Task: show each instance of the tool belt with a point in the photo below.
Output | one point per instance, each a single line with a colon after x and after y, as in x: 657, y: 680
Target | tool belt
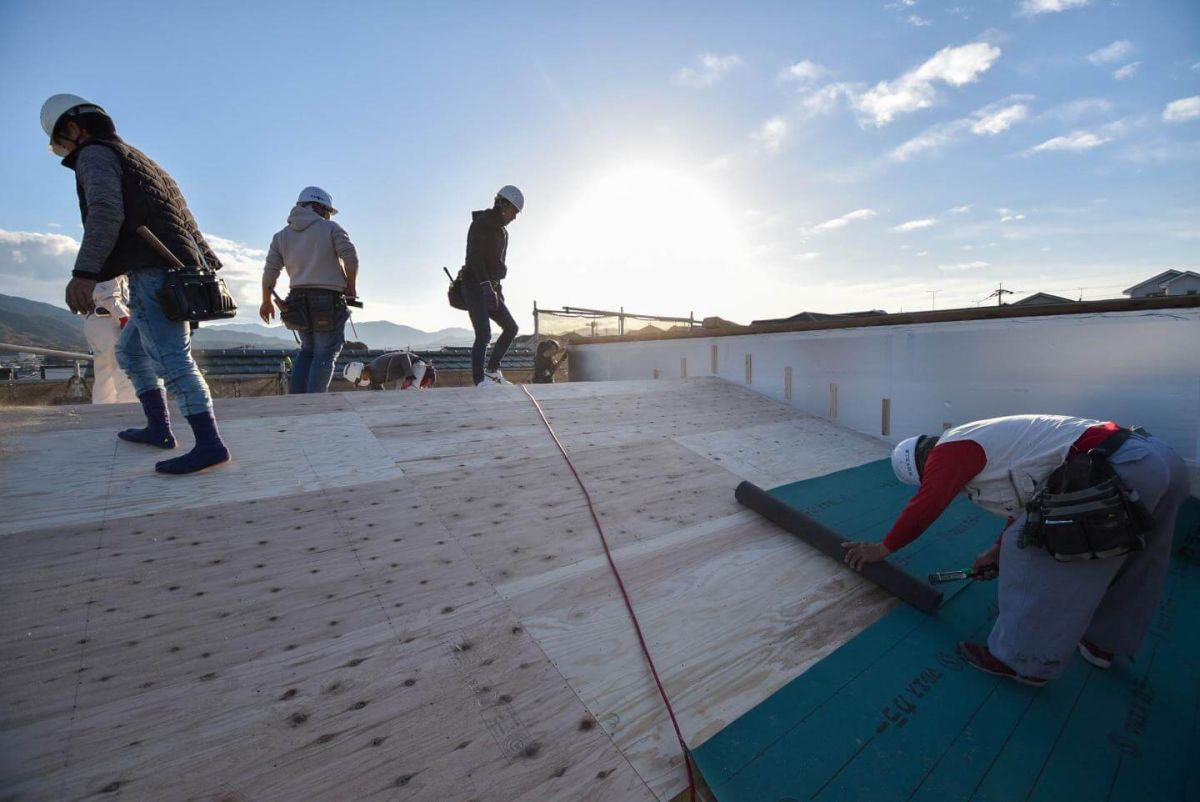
x: 316, y: 310
x: 195, y: 294
x: 1083, y: 511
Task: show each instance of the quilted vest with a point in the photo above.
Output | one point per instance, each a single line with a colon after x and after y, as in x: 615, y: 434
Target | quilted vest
x: 152, y: 199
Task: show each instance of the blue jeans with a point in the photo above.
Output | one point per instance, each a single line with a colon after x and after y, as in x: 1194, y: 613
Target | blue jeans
x: 312, y: 368
x: 154, y: 351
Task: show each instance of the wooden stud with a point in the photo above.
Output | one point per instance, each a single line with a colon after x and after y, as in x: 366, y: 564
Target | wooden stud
x: 713, y: 356
x: 683, y: 367
x: 656, y: 373
x: 787, y: 383
x: 748, y: 362
x: 885, y: 427
x: 833, y: 402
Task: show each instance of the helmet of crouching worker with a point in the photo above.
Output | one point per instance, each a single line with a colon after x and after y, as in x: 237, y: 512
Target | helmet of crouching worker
x: 353, y: 373
x: 908, y: 458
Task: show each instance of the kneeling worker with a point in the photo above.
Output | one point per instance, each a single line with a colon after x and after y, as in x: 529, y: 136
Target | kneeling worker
x: 1097, y: 581
x: 401, y: 366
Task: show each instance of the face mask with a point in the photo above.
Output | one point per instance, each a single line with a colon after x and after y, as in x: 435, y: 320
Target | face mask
x: 58, y: 150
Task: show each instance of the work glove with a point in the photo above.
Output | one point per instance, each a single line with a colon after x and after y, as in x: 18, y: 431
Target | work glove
x: 490, y: 301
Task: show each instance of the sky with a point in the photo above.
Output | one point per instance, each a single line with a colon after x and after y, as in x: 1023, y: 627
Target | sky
x: 748, y: 160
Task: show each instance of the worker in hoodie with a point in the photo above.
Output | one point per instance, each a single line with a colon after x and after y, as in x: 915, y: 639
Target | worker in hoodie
x: 322, y: 267
x: 121, y: 189
x: 480, y: 277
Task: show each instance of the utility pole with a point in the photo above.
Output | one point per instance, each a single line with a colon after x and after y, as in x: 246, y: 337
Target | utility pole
x: 933, y: 299
x: 999, y: 295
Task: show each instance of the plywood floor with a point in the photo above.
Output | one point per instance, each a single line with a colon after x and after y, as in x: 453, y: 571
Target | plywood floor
x: 401, y: 595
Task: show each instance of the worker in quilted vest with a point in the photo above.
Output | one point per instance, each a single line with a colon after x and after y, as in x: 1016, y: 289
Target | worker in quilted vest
x: 1100, y: 605
x: 120, y: 189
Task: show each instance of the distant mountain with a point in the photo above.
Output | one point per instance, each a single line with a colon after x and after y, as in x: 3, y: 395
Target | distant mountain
x: 25, y: 322
x: 375, y: 333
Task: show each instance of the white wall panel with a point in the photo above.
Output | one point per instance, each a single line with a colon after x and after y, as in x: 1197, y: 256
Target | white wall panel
x: 1133, y: 367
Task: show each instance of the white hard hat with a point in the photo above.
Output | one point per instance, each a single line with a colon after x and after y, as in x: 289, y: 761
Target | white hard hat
x: 316, y: 195
x: 904, y: 461
x: 512, y: 195
x: 58, y: 105
x: 353, y: 372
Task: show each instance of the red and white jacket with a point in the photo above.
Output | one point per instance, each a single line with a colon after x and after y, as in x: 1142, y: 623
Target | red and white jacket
x: 1000, y: 462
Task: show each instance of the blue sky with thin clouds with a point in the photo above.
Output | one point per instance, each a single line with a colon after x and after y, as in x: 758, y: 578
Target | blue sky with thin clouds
x: 744, y: 160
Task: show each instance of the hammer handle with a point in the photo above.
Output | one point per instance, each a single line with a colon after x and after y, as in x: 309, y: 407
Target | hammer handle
x: 156, y: 243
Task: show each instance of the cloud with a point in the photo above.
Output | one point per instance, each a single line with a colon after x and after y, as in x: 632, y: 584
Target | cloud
x: 1075, y: 110
x: 917, y: 21
x: 962, y: 266
x: 43, y: 257
x: 770, y: 134
x: 914, y: 225
x: 990, y: 120
x: 1128, y: 71
x: 1009, y: 216
x: 807, y: 256
x: 825, y: 99
x: 241, y: 268
x: 995, y: 121
x: 1031, y: 8
x: 966, y: 207
x: 844, y: 220
x: 1076, y: 141
x: 711, y: 69
x: 916, y: 90
x: 802, y: 72
x: 1117, y: 51
x: 1182, y: 110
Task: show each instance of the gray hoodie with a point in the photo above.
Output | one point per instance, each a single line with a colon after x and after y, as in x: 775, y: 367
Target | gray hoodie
x: 310, y: 248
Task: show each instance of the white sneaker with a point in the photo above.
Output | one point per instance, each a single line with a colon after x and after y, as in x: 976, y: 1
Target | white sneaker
x: 496, y: 376
x: 486, y: 383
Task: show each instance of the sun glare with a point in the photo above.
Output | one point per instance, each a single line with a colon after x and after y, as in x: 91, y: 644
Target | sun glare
x: 639, y: 235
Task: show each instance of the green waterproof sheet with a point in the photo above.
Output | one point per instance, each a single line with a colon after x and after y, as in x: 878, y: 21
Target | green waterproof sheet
x: 894, y: 714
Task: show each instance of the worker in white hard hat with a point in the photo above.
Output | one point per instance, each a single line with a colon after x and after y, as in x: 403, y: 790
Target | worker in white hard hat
x: 103, y: 328
x: 1078, y: 570
x: 479, y: 279
x: 121, y: 189
x: 400, y: 368
x: 322, y: 268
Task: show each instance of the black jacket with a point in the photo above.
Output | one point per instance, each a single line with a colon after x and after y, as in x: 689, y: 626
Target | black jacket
x: 487, y: 245
x: 151, y: 198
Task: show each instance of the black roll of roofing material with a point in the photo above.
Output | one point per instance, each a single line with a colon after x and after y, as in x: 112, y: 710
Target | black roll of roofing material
x: 894, y: 580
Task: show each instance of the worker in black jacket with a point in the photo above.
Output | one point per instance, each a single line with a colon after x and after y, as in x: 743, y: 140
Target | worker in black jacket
x: 480, y: 277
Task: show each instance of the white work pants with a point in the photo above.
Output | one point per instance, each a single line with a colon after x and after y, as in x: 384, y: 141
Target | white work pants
x: 111, y: 385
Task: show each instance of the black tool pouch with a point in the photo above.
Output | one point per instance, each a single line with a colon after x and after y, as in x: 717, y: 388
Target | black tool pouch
x: 1084, y: 511
x: 454, y: 293
x: 314, y: 310
x: 196, y: 294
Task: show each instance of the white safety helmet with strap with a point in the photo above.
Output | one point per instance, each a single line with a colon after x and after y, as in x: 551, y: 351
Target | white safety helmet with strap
x: 513, y: 196
x: 317, y: 195
x: 904, y: 461
x: 56, y: 106
x: 353, y: 373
